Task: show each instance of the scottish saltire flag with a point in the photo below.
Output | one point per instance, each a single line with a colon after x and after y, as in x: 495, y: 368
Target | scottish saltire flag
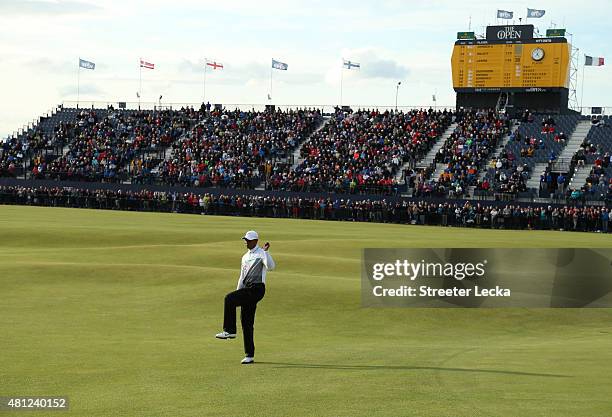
x: 86, y: 64
x: 279, y: 65
x: 504, y: 14
x: 589, y: 61
x: 145, y: 64
x: 214, y: 64
x: 535, y: 13
x: 350, y: 64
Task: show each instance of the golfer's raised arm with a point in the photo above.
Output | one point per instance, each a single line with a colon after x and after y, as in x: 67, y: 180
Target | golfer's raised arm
x: 268, y: 261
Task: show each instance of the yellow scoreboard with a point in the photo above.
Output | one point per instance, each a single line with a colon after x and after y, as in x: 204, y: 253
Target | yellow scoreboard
x: 494, y: 65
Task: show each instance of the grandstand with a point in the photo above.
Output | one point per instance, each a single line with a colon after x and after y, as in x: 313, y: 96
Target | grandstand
x: 508, y: 139
x: 484, y: 155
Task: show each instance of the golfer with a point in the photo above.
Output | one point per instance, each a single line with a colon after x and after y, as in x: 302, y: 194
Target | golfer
x: 251, y: 289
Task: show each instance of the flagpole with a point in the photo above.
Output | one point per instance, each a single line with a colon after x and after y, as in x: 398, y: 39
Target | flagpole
x: 205, y: 68
x: 271, y: 70
x: 341, y: 80
x: 78, y: 83
x: 582, y: 88
x: 140, y: 83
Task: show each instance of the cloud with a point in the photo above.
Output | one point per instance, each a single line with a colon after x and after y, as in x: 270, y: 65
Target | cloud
x: 41, y: 7
x: 50, y: 66
x: 372, y: 67
x: 189, y: 65
x: 384, y: 68
x: 248, y: 74
x: 88, y: 89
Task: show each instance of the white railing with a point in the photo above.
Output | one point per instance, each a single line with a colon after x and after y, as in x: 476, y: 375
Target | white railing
x: 131, y: 105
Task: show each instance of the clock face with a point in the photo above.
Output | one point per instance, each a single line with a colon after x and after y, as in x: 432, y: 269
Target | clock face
x: 537, y: 54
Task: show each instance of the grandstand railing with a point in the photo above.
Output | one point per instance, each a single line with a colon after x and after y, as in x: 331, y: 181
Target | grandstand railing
x: 327, y: 108
x: 134, y: 105
x: 563, y: 165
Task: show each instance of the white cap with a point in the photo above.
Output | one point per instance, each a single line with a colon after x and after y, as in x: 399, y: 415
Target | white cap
x: 251, y: 235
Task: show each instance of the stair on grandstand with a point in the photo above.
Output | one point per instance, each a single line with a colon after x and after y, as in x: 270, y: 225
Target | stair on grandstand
x: 167, y: 154
x: 428, y: 160
x: 440, y: 167
x: 538, y: 163
x: 534, y: 180
x: 580, y: 176
x: 482, y: 173
x: 296, y: 160
x: 295, y: 156
x: 69, y: 115
x: 502, y: 102
x: 572, y: 145
x: 296, y: 153
x: 576, y: 139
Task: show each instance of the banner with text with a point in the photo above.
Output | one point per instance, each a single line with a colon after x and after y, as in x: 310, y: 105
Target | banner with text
x: 493, y: 277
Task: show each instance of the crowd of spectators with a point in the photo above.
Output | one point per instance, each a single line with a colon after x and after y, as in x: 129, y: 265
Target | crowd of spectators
x: 104, y: 144
x: 468, y: 214
x: 510, y: 175
x: 361, y: 151
x: 15, y: 150
x: 354, y: 152
x: 12, y: 152
x: 465, y: 151
x: 232, y: 148
x: 509, y: 172
x: 599, y: 181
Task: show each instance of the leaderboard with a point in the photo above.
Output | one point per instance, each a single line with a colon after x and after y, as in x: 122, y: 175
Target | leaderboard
x: 511, y: 64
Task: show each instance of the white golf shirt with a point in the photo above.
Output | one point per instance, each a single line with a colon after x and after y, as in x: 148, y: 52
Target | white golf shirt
x: 255, y: 263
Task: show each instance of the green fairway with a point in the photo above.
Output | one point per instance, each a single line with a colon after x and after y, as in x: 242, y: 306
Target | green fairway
x: 118, y: 311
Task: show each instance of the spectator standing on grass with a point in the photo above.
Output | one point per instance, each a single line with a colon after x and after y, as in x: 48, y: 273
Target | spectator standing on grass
x: 494, y: 214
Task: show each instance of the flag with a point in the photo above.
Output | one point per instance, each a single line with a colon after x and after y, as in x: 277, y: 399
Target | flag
x: 433, y: 97
x: 349, y: 64
x: 86, y: 64
x: 535, y: 13
x: 145, y: 64
x: 279, y: 65
x: 589, y: 61
x: 214, y: 64
x: 504, y: 14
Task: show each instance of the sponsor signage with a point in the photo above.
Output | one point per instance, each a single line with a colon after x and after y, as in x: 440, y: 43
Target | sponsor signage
x: 510, y: 32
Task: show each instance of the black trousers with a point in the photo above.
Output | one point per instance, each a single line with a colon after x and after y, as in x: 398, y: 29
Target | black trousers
x: 247, y: 299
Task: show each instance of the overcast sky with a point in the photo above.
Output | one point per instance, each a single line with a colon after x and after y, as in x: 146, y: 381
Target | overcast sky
x: 393, y: 40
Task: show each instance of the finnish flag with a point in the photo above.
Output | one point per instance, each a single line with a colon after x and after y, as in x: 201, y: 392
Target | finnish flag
x: 351, y: 64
